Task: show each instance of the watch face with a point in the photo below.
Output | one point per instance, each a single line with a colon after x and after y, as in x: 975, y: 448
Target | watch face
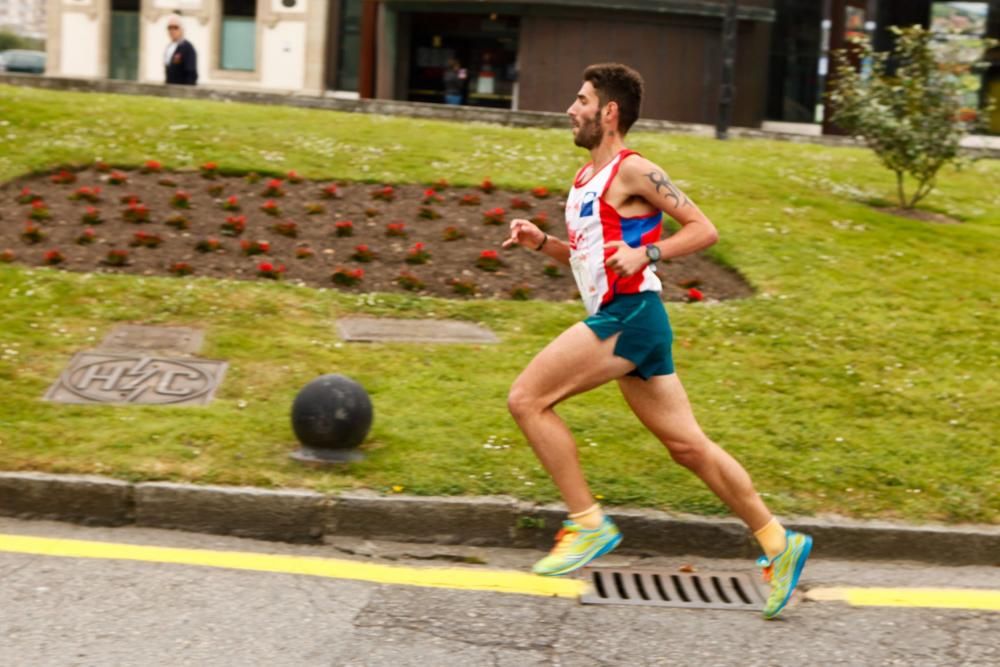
x: 653, y: 253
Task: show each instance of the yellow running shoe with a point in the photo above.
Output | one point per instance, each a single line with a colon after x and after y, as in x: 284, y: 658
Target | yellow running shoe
x: 783, y: 572
x: 576, y: 546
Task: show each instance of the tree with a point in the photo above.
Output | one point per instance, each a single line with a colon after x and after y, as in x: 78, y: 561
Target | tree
x: 905, y: 105
x: 11, y: 40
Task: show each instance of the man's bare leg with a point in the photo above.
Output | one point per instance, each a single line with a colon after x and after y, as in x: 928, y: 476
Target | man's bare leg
x: 576, y: 361
x: 662, y: 405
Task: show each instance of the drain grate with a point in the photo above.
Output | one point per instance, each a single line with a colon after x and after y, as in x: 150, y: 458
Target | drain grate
x: 661, y: 588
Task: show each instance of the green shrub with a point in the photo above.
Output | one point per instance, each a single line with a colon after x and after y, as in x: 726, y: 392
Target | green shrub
x: 905, y: 105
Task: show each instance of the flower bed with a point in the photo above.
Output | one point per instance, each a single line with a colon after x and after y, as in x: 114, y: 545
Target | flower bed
x: 94, y: 225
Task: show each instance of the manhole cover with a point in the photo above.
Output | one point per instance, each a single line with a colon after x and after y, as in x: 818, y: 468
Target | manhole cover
x: 137, y: 337
x: 661, y: 588
x: 136, y: 379
x: 379, y: 330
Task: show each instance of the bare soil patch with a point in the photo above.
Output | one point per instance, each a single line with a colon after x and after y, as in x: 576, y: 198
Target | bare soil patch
x: 309, y: 249
x: 922, y: 216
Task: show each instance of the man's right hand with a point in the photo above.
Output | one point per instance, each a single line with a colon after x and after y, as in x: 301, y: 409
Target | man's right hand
x: 524, y: 233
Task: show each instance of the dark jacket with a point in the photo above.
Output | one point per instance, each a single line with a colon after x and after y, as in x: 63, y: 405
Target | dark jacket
x: 183, y: 67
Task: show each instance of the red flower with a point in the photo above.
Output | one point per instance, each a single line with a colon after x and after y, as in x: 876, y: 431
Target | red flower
x: 234, y: 225
x: 53, y: 257
x: 273, y: 188
x: 694, y: 294
x: 181, y: 269
x: 87, y: 194
x: 287, y: 228
x: 541, y: 220
x: 395, y: 229
x: 347, y: 277
x: 255, y: 247
x: 146, y: 240
x: 151, y: 166
x: 207, y: 245
x: 91, y: 216
x: 494, y: 216
x: 363, y: 253
x: 417, y: 254
x: 116, y: 257
x: 270, y: 207
x: 487, y: 185
x: 489, y: 261
x: 385, y: 193
x: 63, y: 177
x: 331, y: 191
x: 232, y: 203
x: 86, y: 237
x: 453, y: 234
x: 117, y: 178
x: 293, y: 177
x: 541, y: 192
x: 344, y: 228
x: 27, y: 196
x: 269, y: 270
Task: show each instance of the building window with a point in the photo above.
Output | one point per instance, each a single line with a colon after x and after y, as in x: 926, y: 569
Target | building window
x: 350, y: 45
x: 239, y: 35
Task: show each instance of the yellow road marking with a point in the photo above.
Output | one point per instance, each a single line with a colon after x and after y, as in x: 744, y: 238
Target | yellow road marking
x: 945, y: 598
x: 497, y: 581
x: 435, y: 577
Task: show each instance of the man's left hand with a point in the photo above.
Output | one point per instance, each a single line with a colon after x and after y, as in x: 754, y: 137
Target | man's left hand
x: 626, y: 260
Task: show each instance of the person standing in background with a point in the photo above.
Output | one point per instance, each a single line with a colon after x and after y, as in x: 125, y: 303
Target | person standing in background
x: 180, y: 59
x: 454, y: 82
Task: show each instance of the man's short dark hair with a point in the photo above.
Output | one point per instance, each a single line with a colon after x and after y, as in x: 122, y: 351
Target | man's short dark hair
x: 619, y: 83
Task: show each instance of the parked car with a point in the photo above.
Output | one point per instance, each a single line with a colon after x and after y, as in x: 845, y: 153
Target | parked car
x: 19, y: 60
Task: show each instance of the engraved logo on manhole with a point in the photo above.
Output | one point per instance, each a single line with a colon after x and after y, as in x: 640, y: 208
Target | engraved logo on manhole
x: 104, y: 378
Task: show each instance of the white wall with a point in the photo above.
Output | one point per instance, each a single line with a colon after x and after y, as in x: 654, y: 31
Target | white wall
x: 79, y: 48
x: 283, y: 60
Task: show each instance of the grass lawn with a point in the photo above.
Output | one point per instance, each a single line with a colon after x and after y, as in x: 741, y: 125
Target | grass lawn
x: 861, y: 380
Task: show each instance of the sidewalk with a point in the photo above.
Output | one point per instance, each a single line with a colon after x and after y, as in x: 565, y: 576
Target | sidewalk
x: 308, y: 516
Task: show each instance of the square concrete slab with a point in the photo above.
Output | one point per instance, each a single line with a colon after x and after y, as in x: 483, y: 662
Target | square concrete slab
x: 380, y: 330
x: 137, y: 379
x: 143, y: 338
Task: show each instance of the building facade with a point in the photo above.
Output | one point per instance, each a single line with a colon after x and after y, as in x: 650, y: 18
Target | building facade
x: 517, y: 54
x: 23, y: 17
x: 269, y: 44
x: 529, y: 55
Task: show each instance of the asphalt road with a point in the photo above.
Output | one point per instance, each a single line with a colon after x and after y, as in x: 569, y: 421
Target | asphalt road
x: 59, y: 611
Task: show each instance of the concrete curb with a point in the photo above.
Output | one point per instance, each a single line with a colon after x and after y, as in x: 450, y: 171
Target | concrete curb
x: 307, y: 516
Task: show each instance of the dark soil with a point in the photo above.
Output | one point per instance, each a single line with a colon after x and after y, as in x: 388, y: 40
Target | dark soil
x: 921, y: 215
x: 449, y: 260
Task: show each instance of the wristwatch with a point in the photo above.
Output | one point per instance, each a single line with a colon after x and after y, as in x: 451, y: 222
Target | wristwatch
x: 653, y: 253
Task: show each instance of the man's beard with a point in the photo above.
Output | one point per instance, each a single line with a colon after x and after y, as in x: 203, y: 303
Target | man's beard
x: 590, y: 133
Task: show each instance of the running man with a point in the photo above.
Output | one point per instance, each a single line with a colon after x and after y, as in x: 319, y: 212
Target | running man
x: 613, y: 217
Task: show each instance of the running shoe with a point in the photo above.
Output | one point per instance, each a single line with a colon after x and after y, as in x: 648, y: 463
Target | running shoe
x: 576, y: 546
x: 783, y: 571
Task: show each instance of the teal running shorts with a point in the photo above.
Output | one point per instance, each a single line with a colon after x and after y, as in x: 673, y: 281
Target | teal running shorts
x: 646, y: 336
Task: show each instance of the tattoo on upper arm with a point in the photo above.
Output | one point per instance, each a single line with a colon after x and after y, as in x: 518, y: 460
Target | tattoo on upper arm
x: 660, y: 180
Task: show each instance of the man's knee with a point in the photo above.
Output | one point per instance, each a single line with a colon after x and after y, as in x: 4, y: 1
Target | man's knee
x: 691, y: 453
x: 520, y: 402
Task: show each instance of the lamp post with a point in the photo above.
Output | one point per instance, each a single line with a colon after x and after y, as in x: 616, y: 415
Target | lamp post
x: 727, y: 88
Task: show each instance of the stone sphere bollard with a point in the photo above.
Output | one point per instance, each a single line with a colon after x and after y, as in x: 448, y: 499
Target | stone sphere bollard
x: 331, y: 416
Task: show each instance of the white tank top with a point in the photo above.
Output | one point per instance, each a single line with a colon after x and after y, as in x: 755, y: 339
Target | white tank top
x: 590, y: 223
